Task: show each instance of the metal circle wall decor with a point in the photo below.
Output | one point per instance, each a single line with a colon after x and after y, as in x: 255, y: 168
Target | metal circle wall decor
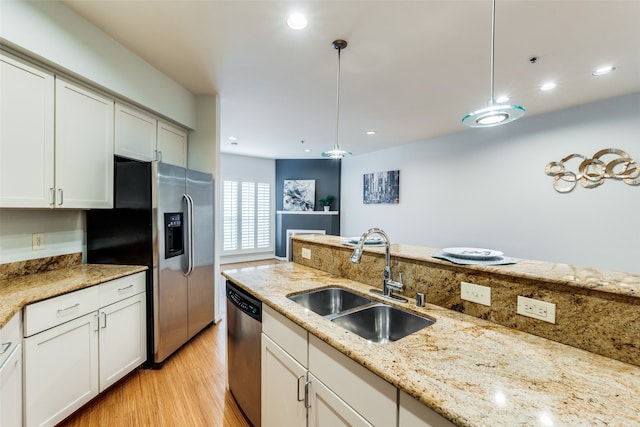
x: 592, y: 172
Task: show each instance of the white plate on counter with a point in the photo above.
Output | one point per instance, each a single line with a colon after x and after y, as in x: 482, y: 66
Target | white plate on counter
x: 472, y: 253
x: 371, y: 241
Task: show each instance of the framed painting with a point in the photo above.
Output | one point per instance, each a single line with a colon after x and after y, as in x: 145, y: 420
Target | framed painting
x: 381, y: 187
x: 299, y: 195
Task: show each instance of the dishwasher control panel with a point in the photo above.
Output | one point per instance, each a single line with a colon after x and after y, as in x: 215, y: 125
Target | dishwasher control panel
x: 244, y: 302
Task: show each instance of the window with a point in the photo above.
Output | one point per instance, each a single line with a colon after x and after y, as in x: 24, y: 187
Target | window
x: 246, y: 216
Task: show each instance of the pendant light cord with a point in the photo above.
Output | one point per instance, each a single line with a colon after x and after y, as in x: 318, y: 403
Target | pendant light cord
x: 338, y: 101
x: 493, y: 40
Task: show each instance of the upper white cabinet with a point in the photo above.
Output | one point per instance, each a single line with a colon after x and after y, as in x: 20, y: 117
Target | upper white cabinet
x: 84, y: 147
x: 26, y: 134
x: 135, y: 133
x: 172, y: 144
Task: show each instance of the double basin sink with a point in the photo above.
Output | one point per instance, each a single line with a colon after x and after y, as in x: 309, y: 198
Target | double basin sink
x: 374, y: 321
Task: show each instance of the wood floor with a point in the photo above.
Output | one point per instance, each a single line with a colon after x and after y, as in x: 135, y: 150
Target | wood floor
x: 189, y: 391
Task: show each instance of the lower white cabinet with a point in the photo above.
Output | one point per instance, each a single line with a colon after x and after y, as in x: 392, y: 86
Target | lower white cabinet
x: 415, y: 414
x: 61, y: 370
x: 283, y: 387
x: 11, y: 373
x: 327, y: 409
x: 80, y: 343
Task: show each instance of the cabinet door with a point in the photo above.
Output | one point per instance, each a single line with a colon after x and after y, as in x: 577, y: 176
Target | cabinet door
x: 135, y: 133
x: 327, y: 409
x: 415, y: 414
x: 123, y: 335
x: 172, y: 144
x: 11, y: 390
x: 283, y: 387
x: 60, y: 370
x: 26, y: 135
x: 84, y: 148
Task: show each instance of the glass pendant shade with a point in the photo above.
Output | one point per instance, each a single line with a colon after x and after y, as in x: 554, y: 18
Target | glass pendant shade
x: 336, y: 153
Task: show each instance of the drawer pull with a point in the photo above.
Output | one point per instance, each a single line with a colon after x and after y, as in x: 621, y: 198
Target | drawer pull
x: 64, y: 310
x: 126, y: 288
x: 5, y: 346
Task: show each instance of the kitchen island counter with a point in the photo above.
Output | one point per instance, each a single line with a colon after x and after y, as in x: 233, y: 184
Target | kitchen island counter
x: 471, y: 371
x: 19, y: 291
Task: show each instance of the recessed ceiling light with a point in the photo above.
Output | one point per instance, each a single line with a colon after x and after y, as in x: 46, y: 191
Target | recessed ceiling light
x: 307, y: 150
x: 233, y: 138
x: 548, y: 86
x: 371, y: 132
x: 603, y: 70
x: 502, y: 99
x: 297, y: 21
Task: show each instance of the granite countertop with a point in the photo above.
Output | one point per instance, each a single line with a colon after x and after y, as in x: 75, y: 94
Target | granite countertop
x: 615, y: 282
x: 471, y: 371
x: 17, y: 292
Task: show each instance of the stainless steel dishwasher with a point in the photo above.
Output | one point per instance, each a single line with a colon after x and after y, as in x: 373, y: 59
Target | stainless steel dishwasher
x: 244, y: 326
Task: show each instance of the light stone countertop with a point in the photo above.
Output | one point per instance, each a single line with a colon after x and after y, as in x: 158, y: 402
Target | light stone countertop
x: 471, y: 371
x: 616, y: 282
x: 17, y: 292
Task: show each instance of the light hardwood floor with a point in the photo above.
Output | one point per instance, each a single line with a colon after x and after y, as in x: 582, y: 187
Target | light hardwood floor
x: 190, y: 390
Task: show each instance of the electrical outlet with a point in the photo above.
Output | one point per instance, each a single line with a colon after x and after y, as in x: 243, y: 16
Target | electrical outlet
x: 475, y: 293
x: 37, y: 241
x: 537, y: 309
x: 306, y: 253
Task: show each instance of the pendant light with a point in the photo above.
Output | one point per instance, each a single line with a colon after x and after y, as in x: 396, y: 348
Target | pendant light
x: 493, y: 114
x: 336, y: 152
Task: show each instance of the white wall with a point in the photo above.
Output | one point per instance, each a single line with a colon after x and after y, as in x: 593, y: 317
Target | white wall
x: 56, y: 35
x: 488, y: 188
x: 64, y: 233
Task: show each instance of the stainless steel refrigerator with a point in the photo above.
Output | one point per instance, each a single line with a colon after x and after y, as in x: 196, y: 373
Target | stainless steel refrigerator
x: 162, y: 218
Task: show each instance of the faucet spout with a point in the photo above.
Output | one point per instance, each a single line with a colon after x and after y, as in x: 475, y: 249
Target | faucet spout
x: 388, y: 284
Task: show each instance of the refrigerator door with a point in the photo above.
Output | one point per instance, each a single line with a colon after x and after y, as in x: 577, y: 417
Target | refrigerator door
x: 200, y: 280
x: 170, y: 290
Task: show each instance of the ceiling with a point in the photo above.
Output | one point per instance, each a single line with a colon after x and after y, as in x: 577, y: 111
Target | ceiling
x: 411, y: 71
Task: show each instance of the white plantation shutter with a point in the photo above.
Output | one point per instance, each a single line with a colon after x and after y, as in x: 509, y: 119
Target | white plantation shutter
x: 247, y: 216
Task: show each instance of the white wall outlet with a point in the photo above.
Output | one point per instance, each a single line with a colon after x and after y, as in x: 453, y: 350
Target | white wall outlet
x: 537, y: 309
x: 306, y: 253
x: 37, y: 241
x: 475, y: 293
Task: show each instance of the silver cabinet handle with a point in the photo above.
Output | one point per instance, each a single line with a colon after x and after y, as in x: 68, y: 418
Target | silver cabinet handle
x: 52, y: 196
x: 307, y: 401
x: 61, y: 194
x: 63, y: 310
x: 104, y: 320
x: 5, y: 347
x: 301, y: 377
x: 126, y: 288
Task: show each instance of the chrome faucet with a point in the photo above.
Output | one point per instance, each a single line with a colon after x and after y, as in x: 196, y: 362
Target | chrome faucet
x: 388, y: 284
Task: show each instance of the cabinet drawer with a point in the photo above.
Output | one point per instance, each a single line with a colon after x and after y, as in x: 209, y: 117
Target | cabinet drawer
x: 55, y: 311
x: 291, y: 337
x: 10, y: 337
x: 119, y: 289
x: 371, y: 396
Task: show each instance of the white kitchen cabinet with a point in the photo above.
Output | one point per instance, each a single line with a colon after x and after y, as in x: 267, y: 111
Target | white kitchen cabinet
x: 26, y: 134
x: 327, y: 409
x: 11, y: 373
x: 172, y: 144
x: 83, y: 147
x: 135, y: 133
x: 415, y: 414
x: 283, y: 387
x: 368, y: 394
x: 123, y: 345
x: 60, y: 370
x: 78, y: 344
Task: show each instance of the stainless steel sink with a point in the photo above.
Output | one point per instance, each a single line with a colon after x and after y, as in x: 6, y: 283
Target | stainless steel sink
x: 381, y: 323
x: 330, y: 301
